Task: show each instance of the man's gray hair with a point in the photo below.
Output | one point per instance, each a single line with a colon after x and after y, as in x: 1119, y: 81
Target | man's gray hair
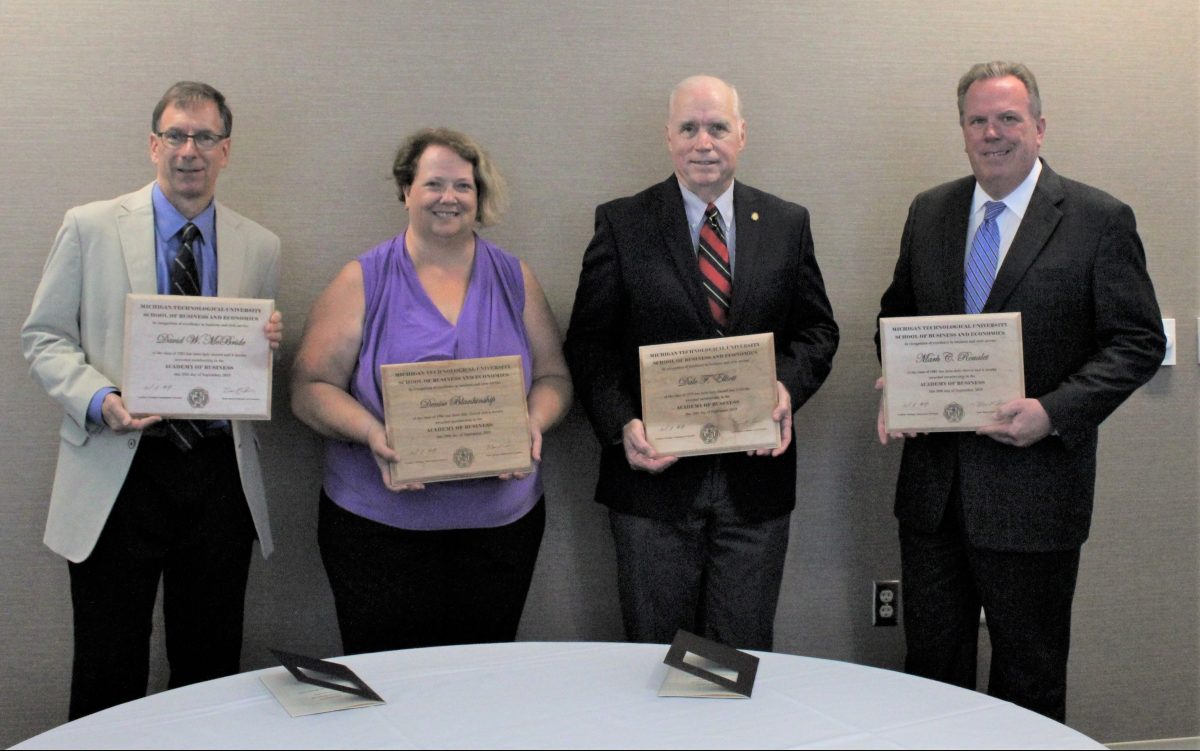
x: 737, y: 100
x: 1000, y: 69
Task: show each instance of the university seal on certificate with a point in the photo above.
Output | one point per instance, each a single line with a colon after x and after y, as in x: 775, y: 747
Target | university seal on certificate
x: 456, y: 419
x: 947, y: 373
x: 197, y: 357
x: 710, y: 396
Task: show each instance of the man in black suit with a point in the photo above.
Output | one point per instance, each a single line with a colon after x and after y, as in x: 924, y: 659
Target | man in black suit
x: 700, y: 541
x: 996, y: 519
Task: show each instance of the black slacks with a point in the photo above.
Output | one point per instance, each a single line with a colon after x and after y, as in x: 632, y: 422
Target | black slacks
x: 1026, y: 598
x: 182, y: 518
x: 399, y: 589
x: 711, y: 572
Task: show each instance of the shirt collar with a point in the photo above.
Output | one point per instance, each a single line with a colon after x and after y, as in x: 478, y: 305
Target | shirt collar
x: 1016, y: 201
x: 695, y: 206
x: 168, y: 221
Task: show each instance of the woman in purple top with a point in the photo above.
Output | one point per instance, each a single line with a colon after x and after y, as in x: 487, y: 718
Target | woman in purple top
x: 415, y: 564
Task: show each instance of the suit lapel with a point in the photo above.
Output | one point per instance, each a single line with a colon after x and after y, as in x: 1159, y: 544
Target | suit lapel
x: 749, y: 225
x: 135, y: 227
x: 677, y: 239
x: 231, y: 254
x: 1041, y: 217
x: 954, y: 248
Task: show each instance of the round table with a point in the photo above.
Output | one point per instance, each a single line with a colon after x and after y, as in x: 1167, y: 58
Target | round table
x: 573, y: 695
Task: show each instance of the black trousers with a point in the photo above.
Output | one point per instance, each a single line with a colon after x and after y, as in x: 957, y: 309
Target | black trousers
x: 399, y: 589
x: 711, y: 572
x: 182, y: 518
x: 1026, y: 598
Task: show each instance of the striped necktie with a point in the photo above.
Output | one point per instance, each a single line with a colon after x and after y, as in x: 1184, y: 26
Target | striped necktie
x: 185, y: 280
x: 983, y: 259
x: 714, y: 267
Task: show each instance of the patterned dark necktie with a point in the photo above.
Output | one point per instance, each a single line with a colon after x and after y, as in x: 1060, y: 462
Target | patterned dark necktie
x: 185, y: 280
x: 983, y: 259
x: 714, y: 267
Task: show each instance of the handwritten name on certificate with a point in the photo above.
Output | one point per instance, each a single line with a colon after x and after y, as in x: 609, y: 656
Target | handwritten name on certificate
x: 710, y: 396
x: 456, y: 419
x: 947, y: 373
x: 197, y: 357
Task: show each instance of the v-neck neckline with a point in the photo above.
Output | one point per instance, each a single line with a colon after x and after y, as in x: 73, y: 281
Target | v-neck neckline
x: 424, y: 293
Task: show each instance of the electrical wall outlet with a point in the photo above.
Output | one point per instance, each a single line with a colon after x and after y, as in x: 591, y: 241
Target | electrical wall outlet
x: 885, y: 603
x: 1169, y: 332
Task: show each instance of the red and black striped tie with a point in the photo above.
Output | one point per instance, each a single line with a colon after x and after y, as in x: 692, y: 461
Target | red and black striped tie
x: 714, y: 267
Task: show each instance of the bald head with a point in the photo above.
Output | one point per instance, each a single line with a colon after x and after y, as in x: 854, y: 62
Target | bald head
x: 710, y: 83
x: 705, y: 134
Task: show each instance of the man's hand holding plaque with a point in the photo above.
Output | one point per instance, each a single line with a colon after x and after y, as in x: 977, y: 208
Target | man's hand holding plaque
x: 949, y: 373
x: 456, y: 419
x: 710, y: 396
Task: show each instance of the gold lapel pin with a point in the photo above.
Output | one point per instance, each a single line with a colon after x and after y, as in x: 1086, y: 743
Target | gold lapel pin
x: 754, y: 216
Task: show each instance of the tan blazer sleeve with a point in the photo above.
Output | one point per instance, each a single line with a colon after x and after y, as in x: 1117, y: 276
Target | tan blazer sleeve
x: 51, y: 336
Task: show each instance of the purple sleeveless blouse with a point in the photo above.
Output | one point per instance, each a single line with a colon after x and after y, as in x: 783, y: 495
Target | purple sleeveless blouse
x: 401, y: 324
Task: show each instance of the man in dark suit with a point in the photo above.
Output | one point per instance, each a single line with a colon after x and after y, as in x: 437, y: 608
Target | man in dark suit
x: 996, y: 519
x: 700, y: 541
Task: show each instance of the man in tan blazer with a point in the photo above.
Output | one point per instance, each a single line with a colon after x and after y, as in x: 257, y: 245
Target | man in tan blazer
x: 130, y: 504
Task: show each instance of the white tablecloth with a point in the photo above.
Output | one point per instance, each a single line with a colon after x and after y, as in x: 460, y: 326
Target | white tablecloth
x: 581, y: 695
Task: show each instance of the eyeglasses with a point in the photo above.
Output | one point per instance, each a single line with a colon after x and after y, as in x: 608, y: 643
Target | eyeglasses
x: 204, y: 140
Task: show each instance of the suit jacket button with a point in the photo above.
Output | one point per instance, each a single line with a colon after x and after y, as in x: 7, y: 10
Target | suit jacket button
x: 132, y: 443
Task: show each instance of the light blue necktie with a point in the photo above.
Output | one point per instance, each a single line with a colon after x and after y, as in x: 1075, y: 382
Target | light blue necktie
x: 983, y: 259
